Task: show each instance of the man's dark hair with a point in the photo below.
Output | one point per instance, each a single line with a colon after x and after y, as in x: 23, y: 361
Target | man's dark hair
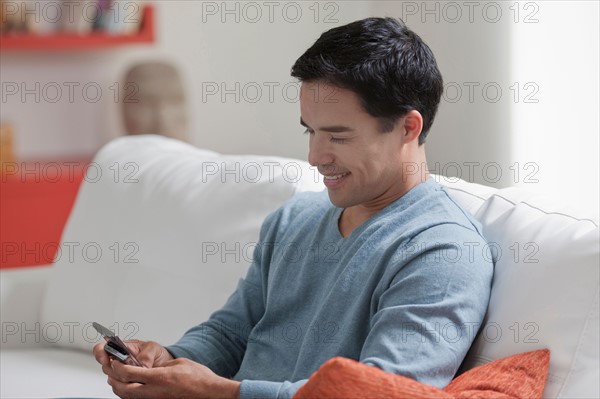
x: 386, y: 64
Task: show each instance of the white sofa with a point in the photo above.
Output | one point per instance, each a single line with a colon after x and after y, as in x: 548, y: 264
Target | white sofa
x: 161, y: 232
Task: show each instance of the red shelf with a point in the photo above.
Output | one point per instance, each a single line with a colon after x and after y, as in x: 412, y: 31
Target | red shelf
x: 69, y: 41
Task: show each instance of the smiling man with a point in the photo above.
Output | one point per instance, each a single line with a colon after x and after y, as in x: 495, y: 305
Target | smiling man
x: 363, y: 168
x: 386, y: 268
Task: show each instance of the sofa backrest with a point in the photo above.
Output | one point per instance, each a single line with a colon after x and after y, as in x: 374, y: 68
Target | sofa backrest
x: 545, y: 288
x: 159, y: 235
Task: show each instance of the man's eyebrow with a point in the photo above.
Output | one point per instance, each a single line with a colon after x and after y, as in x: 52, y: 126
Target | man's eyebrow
x: 330, y: 129
x: 337, y: 129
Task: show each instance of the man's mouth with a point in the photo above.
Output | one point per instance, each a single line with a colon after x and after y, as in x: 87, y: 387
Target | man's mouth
x: 336, y: 177
x: 334, y: 181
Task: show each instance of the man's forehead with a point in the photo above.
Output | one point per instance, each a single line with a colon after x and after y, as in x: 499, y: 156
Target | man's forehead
x: 324, y: 91
x: 322, y: 100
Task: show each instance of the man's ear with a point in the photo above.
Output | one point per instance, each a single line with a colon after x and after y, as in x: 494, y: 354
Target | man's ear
x: 412, y: 125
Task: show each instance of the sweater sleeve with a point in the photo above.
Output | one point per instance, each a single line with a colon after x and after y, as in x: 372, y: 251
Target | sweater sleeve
x: 220, y: 342
x: 428, y: 316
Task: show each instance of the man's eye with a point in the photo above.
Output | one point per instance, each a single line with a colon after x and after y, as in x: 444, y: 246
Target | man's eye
x: 337, y: 141
x: 308, y: 131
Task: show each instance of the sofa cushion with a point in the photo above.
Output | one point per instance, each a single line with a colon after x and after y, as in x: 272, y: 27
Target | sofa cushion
x: 545, y: 288
x: 519, y: 376
x: 159, y: 235
x: 471, y: 196
x: 51, y: 373
x: 348, y: 379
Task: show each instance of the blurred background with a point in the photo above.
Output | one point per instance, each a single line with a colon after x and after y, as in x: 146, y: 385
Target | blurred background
x: 520, y: 106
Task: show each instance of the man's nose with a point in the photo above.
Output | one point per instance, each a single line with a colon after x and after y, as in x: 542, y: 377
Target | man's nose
x: 318, y: 151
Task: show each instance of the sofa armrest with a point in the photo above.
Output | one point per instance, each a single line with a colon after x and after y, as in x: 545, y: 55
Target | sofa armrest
x: 21, y: 292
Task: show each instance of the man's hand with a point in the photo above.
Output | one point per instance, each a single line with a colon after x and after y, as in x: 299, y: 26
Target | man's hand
x: 179, y: 378
x: 164, y: 376
x: 150, y: 354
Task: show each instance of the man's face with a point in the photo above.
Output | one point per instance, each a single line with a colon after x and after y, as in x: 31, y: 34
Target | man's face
x: 361, y: 165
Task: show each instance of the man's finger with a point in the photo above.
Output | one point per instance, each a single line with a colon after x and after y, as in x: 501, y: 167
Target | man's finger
x: 128, y: 374
x: 127, y: 389
x: 149, y: 353
x: 100, y: 355
x: 107, y: 370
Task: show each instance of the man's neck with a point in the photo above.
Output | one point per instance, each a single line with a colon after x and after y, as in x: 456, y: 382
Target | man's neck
x: 354, y: 216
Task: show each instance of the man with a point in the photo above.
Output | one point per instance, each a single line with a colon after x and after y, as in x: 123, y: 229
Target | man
x: 384, y: 267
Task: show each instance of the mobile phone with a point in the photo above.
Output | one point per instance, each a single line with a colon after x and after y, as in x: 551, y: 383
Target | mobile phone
x: 115, y: 347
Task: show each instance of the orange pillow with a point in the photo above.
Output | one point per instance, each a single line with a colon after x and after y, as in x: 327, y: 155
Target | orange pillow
x: 519, y: 376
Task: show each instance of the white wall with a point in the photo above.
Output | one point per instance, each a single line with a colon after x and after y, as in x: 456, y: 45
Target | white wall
x: 471, y: 136
x: 559, y: 134
x: 542, y: 132
x: 544, y: 51
x: 211, y: 48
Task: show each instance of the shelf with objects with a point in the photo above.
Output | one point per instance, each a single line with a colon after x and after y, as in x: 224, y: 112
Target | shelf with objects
x: 37, y: 195
x: 68, y: 41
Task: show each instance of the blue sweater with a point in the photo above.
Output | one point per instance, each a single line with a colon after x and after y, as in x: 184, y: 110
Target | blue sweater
x: 406, y: 291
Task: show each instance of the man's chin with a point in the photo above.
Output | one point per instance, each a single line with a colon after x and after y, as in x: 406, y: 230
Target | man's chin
x: 337, y: 200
